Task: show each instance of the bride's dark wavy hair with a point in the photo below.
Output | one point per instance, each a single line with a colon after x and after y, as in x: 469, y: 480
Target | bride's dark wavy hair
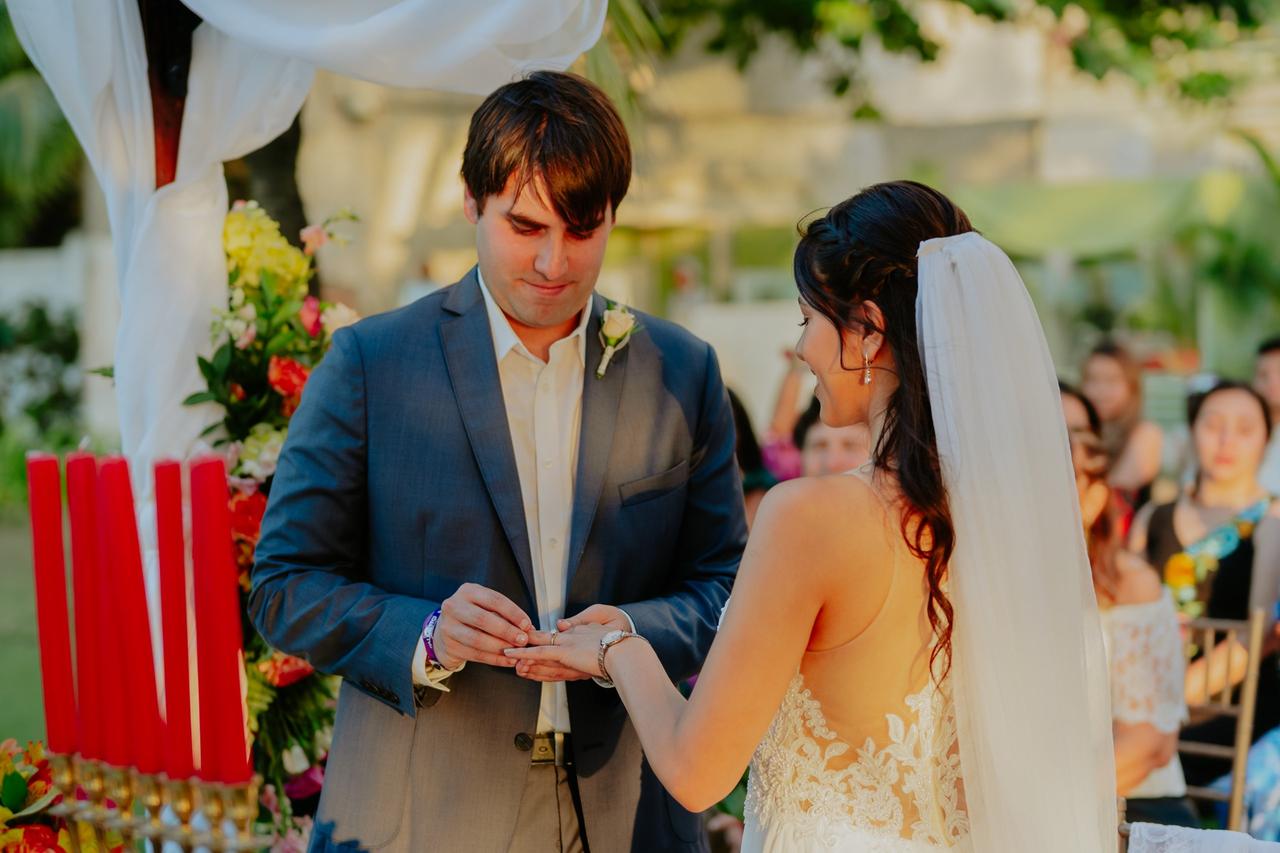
x: 864, y: 249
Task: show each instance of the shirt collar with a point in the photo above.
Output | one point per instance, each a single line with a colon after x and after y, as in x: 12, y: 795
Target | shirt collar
x: 505, y: 338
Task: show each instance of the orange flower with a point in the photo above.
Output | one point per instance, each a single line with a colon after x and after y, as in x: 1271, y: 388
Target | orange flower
x: 281, y: 670
x: 1245, y: 529
x: 1180, y: 570
x: 36, y: 838
x: 246, y: 515
x: 286, y: 376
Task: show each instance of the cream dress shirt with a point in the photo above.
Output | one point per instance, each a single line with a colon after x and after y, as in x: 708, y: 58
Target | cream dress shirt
x: 544, y: 414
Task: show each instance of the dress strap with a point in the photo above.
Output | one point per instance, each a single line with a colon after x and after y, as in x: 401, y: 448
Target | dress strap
x: 863, y: 473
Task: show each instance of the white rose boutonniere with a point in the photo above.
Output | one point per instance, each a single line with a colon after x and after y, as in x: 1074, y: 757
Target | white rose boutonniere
x: 616, y: 328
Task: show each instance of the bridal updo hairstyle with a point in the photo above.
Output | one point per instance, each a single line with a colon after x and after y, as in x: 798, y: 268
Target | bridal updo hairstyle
x: 864, y: 249
x: 558, y: 127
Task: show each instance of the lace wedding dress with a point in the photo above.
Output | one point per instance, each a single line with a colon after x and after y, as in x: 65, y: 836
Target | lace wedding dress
x: 862, y: 755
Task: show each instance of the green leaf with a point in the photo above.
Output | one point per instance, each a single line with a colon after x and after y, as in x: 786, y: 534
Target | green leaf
x: 38, y: 806
x: 206, y: 369
x: 210, y: 428
x: 268, y: 282
x: 13, y: 791
x: 222, y: 360
x: 200, y: 397
x: 287, y: 310
x: 109, y: 371
x: 279, y: 342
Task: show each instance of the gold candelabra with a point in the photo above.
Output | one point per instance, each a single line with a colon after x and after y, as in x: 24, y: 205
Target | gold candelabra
x: 113, y: 805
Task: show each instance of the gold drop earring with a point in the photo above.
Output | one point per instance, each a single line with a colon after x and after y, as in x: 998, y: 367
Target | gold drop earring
x: 866, y: 369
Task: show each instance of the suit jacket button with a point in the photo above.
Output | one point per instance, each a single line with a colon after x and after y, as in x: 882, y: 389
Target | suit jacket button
x: 524, y: 743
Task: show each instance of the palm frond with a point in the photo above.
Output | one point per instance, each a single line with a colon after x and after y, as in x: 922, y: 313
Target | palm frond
x: 1268, y: 160
x: 624, y: 57
x: 39, y: 154
x: 12, y: 57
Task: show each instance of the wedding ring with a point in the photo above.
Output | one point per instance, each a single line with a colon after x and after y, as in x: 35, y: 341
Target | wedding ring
x: 555, y: 635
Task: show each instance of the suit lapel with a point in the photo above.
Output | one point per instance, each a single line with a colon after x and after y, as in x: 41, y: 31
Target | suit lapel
x: 473, y: 372
x: 601, y: 399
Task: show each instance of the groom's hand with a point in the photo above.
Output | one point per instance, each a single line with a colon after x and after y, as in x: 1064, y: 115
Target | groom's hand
x: 596, y: 614
x: 476, y: 624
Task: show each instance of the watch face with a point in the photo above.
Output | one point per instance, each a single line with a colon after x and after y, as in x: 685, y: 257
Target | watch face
x: 611, y: 637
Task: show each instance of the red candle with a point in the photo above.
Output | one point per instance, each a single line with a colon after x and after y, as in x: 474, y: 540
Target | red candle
x: 178, y: 761
x: 224, y: 743
x: 111, y: 649
x: 82, y: 473
x: 136, y: 670
x: 51, y: 602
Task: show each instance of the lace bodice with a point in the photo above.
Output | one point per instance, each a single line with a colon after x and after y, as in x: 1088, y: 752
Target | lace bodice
x: 1144, y: 645
x: 908, y: 789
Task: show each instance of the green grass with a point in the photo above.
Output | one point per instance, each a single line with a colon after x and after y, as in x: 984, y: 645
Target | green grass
x: 21, y: 707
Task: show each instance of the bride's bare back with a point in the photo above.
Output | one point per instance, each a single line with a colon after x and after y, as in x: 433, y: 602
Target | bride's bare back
x: 863, y: 749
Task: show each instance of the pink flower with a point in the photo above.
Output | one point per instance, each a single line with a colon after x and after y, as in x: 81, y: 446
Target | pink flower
x: 240, y: 204
x: 296, y: 839
x: 313, y: 237
x: 248, y: 336
x: 269, y: 799
x: 306, y: 785
x: 310, y: 316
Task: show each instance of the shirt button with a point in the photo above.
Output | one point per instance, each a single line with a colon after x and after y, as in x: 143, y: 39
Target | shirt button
x: 555, y: 542
x: 546, y: 464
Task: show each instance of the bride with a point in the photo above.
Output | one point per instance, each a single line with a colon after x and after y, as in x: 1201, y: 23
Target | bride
x: 911, y: 659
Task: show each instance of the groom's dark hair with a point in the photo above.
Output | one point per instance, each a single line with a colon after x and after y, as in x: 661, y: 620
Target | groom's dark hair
x: 559, y: 128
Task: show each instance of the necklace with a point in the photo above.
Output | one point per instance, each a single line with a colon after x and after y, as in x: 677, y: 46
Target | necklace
x: 1186, y: 570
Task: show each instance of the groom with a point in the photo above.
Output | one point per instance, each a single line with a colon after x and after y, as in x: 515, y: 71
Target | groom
x: 460, y: 473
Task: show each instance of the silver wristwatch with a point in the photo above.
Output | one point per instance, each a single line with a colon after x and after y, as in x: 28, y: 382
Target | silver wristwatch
x: 610, y: 639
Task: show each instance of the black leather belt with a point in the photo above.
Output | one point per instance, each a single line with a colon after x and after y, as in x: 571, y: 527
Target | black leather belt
x: 552, y: 748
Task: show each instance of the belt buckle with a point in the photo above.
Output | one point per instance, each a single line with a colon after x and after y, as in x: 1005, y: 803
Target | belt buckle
x: 551, y: 748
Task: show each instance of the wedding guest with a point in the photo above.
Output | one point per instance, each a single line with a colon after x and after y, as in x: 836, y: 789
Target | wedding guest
x: 1140, y: 630
x: 1111, y: 380
x: 756, y: 479
x: 781, y: 453
x: 1218, y: 547
x: 829, y: 450
x: 1266, y: 381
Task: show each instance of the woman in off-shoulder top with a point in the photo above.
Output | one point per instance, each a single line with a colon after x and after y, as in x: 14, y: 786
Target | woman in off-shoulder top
x: 1142, y: 636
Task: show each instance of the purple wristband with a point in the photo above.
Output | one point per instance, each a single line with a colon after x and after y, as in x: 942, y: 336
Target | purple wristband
x: 429, y: 629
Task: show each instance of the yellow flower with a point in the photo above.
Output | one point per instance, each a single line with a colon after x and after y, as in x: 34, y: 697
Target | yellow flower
x: 1180, y: 570
x: 253, y: 245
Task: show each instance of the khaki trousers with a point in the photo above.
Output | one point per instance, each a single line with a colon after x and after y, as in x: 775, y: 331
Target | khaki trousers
x: 549, y: 819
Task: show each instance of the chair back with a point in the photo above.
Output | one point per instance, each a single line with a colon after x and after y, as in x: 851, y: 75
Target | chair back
x: 1231, y: 647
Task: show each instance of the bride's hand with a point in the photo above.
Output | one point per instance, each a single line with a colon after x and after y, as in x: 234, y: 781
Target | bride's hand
x: 577, y: 649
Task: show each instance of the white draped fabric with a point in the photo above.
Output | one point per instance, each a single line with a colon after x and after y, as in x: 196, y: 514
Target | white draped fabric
x: 252, y: 65
x: 1030, y: 677
x: 1149, y: 838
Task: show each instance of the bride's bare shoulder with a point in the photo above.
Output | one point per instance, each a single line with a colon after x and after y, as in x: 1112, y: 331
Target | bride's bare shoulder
x: 820, y: 497
x: 832, y: 517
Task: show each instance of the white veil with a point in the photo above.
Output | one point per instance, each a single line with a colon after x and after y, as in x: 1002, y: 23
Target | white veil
x: 1029, y: 675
